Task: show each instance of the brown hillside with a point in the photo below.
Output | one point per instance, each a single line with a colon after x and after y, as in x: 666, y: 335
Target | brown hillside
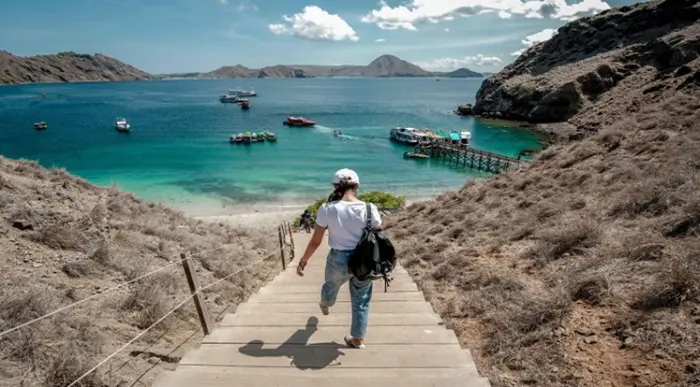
x: 62, y: 240
x: 584, y: 269
x: 65, y: 67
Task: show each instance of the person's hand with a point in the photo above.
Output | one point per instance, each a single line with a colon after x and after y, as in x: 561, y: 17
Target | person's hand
x: 300, y: 268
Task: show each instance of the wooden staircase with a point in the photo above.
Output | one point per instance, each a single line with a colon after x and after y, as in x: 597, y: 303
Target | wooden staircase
x: 280, y: 338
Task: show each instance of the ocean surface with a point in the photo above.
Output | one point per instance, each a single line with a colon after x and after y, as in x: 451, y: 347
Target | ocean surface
x: 178, y: 151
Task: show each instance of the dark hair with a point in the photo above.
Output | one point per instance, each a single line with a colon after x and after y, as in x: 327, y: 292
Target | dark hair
x: 341, y: 188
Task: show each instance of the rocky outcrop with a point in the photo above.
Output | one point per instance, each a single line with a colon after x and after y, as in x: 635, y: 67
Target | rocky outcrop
x: 65, y: 67
x: 594, y: 58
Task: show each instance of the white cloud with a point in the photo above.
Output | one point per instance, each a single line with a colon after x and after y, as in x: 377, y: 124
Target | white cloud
x: 380, y: 40
x: 447, y: 30
x: 535, y: 38
x: 245, y: 5
x: 449, y: 64
x: 421, y: 11
x: 315, y: 23
x: 224, y: 2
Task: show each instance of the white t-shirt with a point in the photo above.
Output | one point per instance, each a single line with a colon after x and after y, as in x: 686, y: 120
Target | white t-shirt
x: 345, y: 222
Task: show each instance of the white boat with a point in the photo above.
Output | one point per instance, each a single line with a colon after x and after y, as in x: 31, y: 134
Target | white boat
x: 465, y: 137
x: 243, y: 93
x: 122, y: 125
x: 404, y: 135
x: 231, y: 98
x: 410, y: 136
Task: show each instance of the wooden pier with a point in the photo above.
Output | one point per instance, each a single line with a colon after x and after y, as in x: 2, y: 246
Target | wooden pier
x: 461, y: 155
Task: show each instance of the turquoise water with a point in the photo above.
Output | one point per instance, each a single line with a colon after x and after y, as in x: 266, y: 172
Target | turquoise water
x: 178, y: 151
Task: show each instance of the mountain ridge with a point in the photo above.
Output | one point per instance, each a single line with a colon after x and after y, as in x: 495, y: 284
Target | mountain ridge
x: 74, y: 67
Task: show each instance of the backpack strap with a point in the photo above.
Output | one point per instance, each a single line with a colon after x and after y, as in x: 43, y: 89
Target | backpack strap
x: 369, y: 216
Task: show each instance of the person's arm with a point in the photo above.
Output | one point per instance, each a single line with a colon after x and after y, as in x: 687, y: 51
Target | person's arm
x: 376, y: 218
x: 316, y: 239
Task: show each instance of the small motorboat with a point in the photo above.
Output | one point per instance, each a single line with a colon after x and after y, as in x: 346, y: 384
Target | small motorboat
x: 245, y: 105
x: 40, y: 125
x: 261, y: 136
x: 270, y: 137
x: 122, y: 125
x: 415, y: 155
x: 230, y: 98
x: 254, y: 137
x: 298, y: 121
x: 236, y: 138
x: 246, y: 138
x: 243, y: 93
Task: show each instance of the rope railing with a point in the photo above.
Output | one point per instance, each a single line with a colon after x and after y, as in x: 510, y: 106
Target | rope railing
x: 160, y: 320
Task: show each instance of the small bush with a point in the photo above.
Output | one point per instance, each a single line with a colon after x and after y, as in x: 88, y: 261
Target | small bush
x: 79, y: 269
x: 383, y: 200
x: 63, y: 237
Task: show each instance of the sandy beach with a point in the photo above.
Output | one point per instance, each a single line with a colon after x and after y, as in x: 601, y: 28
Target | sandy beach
x: 261, y: 217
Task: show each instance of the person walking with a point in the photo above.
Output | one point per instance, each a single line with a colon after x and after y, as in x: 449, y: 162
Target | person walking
x: 345, y: 217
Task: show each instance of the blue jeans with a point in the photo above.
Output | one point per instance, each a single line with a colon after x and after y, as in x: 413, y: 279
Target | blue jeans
x: 337, y: 274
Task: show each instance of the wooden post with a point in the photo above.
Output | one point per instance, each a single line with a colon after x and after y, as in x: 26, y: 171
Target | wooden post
x: 198, y: 299
x: 291, y: 239
x: 284, y: 263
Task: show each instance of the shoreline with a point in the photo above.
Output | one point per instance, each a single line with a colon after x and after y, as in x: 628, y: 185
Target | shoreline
x: 266, y: 217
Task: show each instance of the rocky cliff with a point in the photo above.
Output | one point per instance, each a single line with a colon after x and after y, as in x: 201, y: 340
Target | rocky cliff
x: 607, y: 57
x: 65, y: 67
x: 583, y: 268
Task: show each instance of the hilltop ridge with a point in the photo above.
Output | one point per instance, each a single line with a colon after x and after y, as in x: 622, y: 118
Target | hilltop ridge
x: 65, y: 67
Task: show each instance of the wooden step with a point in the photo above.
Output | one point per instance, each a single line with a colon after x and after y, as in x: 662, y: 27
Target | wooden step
x: 429, y: 334
x: 345, y: 306
x: 211, y: 376
x: 315, y: 287
x: 344, y: 295
x: 316, y: 355
x: 334, y: 319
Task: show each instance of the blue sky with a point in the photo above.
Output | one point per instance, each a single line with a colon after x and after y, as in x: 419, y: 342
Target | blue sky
x: 165, y: 36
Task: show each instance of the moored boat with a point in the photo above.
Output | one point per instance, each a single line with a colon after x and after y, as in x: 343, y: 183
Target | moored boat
x: 269, y: 136
x: 245, y: 105
x: 122, y: 125
x: 230, y: 98
x: 243, y: 93
x: 40, y: 125
x: 236, y: 138
x: 261, y: 136
x: 415, y: 155
x: 246, y: 138
x: 298, y: 121
x: 404, y: 135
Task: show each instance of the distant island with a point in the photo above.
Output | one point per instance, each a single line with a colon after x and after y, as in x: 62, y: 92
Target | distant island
x: 73, y: 67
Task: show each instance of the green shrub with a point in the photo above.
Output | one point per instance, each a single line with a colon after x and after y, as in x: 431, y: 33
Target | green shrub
x: 383, y: 200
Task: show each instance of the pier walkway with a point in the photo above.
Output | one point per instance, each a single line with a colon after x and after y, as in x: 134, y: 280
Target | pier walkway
x: 280, y: 338
x: 468, y: 157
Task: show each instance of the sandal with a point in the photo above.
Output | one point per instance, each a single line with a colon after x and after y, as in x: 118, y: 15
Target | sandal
x: 350, y: 341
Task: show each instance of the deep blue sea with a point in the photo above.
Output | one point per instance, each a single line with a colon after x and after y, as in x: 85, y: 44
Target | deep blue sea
x: 178, y: 151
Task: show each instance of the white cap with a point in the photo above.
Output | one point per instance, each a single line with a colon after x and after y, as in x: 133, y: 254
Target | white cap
x: 346, y: 174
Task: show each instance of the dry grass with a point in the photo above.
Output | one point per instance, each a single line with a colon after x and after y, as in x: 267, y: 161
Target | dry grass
x: 64, y: 240
x: 584, y: 269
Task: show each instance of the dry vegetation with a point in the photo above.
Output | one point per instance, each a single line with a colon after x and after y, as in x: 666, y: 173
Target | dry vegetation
x: 583, y: 269
x: 62, y: 240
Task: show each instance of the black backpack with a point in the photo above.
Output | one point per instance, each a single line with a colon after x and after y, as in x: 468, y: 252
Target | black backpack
x: 374, y: 256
